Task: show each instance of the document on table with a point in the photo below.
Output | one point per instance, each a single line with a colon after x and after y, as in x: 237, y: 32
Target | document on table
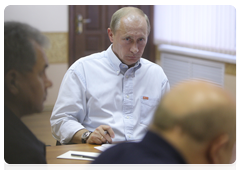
x: 103, y: 147
x: 68, y: 155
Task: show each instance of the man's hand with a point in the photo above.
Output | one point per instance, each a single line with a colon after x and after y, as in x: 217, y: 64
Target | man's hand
x: 102, y: 134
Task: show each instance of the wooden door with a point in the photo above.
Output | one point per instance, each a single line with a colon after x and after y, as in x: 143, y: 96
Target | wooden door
x: 93, y: 36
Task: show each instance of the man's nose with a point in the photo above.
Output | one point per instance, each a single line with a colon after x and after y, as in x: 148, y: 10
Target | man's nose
x: 48, y: 83
x: 134, y: 49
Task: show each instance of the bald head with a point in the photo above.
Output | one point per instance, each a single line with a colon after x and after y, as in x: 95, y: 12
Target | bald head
x: 201, y: 109
x: 129, y: 13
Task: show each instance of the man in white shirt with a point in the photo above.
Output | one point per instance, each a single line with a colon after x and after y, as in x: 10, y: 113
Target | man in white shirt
x: 111, y: 96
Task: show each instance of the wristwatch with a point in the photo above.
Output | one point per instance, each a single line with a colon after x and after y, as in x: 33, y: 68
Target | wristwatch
x: 85, y: 136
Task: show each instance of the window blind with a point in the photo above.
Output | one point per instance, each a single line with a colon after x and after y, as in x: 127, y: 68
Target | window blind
x: 204, y: 27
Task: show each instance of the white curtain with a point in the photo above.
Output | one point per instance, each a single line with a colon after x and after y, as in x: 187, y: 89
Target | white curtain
x: 205, y: 27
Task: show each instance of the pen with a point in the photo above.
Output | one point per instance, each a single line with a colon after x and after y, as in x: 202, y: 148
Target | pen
x: 83, y: 156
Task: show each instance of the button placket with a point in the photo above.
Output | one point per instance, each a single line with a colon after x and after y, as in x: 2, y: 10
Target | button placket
x: 128, y: 102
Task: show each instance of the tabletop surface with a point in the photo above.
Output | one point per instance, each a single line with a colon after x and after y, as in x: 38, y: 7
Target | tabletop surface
x: 53, y: 151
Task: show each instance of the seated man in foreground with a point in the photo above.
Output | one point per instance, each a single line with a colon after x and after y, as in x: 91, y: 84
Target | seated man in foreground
x: 25, y: 90
x: 195, y: 123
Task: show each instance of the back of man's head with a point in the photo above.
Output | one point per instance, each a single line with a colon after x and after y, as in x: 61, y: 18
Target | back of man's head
x: 19, y: 52
x: 197, y: 116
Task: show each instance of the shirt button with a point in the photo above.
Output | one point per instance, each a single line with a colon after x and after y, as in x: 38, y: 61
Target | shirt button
x: 127, y: 96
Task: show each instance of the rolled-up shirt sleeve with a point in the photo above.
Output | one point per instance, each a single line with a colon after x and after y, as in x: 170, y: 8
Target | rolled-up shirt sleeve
x: 70, y: 108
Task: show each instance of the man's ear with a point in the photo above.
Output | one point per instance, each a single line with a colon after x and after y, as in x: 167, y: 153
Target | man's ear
x: 110, y: 34
x: 12, y: 81
x: 216, y: 149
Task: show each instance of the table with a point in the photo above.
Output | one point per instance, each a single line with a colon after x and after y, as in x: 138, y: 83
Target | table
x: 68, y: 164
x: 53, y: 151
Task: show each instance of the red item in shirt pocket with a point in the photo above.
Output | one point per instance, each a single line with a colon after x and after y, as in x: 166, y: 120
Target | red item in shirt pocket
x: 145, y: 98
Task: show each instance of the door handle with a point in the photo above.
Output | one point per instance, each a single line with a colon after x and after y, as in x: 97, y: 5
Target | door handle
x: 79, y: 23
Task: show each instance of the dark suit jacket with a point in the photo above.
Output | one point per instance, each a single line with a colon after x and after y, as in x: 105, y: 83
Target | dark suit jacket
x: 20, y: 144
x: 151, y: 150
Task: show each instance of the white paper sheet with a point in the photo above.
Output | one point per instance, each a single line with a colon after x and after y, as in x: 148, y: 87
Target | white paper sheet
x: 103, y: 147
x: 67, y: 155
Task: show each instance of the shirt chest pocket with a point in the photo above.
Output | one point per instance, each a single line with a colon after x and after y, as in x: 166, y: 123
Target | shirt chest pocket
x: 148, y: 107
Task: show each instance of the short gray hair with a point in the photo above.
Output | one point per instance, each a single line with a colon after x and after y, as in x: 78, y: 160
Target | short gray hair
x: 19, y: 51
x: 119, y: 14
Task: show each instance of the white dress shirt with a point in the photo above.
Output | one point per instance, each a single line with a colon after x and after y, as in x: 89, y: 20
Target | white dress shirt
x: 100, y: 90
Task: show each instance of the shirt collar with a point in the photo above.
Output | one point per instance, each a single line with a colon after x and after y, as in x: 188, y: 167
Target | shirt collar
x: 117, y: 65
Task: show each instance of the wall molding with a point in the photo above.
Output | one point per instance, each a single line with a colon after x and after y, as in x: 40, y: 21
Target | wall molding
x: 220, y: 57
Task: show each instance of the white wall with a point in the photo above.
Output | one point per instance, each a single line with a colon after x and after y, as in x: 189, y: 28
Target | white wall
x: 55, y: 72
x: 46, y: 18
